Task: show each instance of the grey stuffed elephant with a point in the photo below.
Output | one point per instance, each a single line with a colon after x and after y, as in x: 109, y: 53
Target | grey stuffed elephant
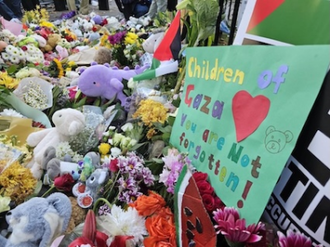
x: 38, y: 221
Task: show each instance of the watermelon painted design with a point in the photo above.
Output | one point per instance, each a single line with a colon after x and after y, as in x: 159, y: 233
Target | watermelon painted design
x: 194, y: 228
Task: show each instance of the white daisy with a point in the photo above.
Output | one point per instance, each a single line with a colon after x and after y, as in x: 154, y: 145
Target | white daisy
x: 14, y: 59
x: 5, y: 55
x: 124, y: 223
x: 21, y: 54
x: 10, y: 49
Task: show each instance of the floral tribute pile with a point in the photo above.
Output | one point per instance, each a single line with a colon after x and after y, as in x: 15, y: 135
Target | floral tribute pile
x: 121, y: 170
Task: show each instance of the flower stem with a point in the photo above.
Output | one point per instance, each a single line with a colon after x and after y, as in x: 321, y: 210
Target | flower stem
x: 98, y: 202
x: 234, y: 244
x: 48, y: 191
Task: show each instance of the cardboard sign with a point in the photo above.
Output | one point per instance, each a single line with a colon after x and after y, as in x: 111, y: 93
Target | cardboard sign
x: 301, y: 198
x: 242, y: 110
x: 279, y: 22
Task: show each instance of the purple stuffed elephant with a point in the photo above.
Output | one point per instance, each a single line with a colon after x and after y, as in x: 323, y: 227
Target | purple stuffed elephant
x: 105, y: 81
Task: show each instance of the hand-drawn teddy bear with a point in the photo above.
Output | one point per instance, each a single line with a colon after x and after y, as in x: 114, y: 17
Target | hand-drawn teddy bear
x: 276, y: 140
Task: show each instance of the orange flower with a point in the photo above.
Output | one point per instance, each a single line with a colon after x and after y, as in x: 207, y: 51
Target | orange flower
x: 148, y: 205
x: 161, y: 232
x: 166, y: 213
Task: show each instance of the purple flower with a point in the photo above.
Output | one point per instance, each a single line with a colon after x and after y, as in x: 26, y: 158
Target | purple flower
x: 173, y: 164
x: 234, y: 229
x: 131, y: 164
x: 148, y: 178
x: 104, y: 209
x: 128, y: 196
x: 68, y: 15
x: 294, y: 240
x: 128, y: 184
x: 117, y: 38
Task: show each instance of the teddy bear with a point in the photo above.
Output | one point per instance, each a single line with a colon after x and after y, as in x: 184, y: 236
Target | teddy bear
x: 52, y: 41
x: 103, y: 55
x: 68, y: 122
x: 38, y: 221
x: 77, y: 217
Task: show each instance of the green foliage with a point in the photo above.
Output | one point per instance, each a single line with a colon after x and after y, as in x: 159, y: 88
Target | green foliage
x: 3, y: 102
x: 203, y: 16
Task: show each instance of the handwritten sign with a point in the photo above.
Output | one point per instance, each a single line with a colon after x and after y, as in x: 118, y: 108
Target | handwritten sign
x: 242, y: 110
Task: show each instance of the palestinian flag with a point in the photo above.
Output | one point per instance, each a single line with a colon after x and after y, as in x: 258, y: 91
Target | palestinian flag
x: 165, y: 58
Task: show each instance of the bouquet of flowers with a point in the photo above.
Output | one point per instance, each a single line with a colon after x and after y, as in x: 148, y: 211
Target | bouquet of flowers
x: 125, y: 46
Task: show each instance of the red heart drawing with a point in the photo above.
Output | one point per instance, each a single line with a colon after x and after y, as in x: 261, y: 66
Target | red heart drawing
x: 248, y: 113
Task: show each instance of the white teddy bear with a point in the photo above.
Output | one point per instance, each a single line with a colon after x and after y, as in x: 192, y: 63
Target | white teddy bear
x: 68, y: 122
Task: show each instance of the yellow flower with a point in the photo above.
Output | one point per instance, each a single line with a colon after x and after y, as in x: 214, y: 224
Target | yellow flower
x: 150, y: 111
x: 130, y: 38
x: 47, y: 24
x: 17, y: 182
x: 151, y: 133
x: 59, y: 67
x: 104, y: 148
x: 8, y: 81
x: 104, y: 41
x: 71, y: 63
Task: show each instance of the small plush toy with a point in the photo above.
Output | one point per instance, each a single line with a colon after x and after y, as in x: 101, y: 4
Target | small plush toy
x: 62, y: 52
x: 68, y: 122
x: 151, y: 43
x: 95, y: 181
x: 38, y: 221
x: 52, y: 41
x: 97, y: 19
x: 101, y: 80
x: 92, y: 187
x: 103, y: 55
x: 56, y: 167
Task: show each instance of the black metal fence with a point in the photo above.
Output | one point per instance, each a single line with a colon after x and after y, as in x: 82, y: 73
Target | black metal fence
x: 228, y: 15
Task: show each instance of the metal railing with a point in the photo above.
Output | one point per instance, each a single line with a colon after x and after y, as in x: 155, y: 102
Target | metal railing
x: 229, y: 10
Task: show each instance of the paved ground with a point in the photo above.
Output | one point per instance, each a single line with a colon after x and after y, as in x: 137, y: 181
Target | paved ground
x: 113, y: 10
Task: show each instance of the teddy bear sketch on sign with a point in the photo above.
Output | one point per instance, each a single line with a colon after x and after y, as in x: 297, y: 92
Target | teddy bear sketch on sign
x: 68, y: 122
x: 276, y: 140
x: 38, y: 221
x: 105, y: 81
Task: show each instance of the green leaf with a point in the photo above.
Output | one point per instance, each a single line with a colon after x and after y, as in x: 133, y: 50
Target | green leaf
x: 12, y: 69
x: 171, y: 120
x: 80, y: 103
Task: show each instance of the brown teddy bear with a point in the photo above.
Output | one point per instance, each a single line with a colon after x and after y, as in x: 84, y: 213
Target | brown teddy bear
x: 103, y: 55
x: 52, y: 41
x: 77, y: 217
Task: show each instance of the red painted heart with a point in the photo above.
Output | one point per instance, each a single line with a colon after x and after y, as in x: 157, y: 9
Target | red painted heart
x: 248, y: 113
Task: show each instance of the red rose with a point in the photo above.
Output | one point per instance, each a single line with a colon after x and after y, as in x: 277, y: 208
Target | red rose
x: 198, y: 176
x: 68, y: 38
x: 208, y: 201
x: 64, y: 182
x: 205, y: 187
x: 113, y: 166
x: 218, y: 203
x: 104, y: 22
